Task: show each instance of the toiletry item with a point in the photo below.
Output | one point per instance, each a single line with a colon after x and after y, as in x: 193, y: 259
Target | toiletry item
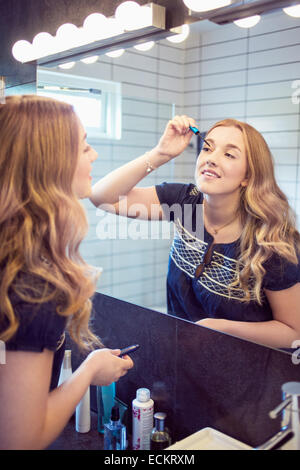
x: 160, y: 436
x: 142, y: 419
x: 83, y: 413
x: 105, y: 401
x: 114, y: 432
x: 128, y: 350
x: 66, y: 367
x: 197, y: 132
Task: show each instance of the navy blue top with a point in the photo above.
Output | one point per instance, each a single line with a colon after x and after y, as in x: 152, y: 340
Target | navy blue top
x: 40, y: 327
x: 200, y: 272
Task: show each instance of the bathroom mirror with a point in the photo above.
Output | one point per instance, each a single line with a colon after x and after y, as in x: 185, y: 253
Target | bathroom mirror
x: 218, y: 72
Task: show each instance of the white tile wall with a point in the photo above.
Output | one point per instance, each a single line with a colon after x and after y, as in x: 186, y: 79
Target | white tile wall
x: 248, y: 75
x: 220, y: 73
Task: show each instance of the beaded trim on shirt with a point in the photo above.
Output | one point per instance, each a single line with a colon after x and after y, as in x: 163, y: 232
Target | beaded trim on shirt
x: 188, y: 252
x: 194, y: 191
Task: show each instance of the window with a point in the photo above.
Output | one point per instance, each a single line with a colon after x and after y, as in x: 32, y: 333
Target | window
x: 97, y: 102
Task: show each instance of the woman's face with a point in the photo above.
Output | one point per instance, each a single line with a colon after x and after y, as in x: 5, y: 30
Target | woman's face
x: 82, y: 177
x: 222, y: 166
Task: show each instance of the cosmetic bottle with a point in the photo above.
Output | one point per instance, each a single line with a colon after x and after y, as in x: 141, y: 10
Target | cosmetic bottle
x: 83, y: 414
x: 160, y: 436
x: 114, y: 432
x: 105, y: 401
x: 142, y: 419
x: 66, y: 367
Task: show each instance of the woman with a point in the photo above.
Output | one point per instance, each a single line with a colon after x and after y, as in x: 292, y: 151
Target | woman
x: 45, y: 286
x: 239, y: 271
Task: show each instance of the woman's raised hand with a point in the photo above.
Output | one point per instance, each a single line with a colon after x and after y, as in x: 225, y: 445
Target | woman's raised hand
x: 176, y: 137
x: 106, y: 367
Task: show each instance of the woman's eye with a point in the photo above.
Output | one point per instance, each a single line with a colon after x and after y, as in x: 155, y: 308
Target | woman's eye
x: 206, y: 149
x: 229, y: 155
x: 87, y: 149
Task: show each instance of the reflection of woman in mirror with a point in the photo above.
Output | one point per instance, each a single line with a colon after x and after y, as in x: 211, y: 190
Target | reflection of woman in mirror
x: 45, y: 286
x: 241, y: 273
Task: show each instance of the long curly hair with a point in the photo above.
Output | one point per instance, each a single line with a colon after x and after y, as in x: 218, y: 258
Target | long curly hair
x: 42, y: 223
x: 269, y: 223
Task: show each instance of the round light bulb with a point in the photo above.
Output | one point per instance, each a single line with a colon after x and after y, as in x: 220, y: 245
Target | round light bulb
x: 177, y: 38
x: 293, y: 11
x: 206, y: 5
x: 95, y: 26
x: 116, y: 53
x: 90, y: 60
x: 146, y: 46
x: 127, y: 14
x: 67, y: 65
x: 22, y: 51
x: 248, y: 22
x: 67, y: 36
x: 43, y: 44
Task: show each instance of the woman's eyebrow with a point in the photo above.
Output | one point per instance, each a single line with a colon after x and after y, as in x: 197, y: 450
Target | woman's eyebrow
x: 228, y: 146
x: 232, y: 146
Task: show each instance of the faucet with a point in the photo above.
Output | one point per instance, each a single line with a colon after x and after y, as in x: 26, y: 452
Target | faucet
x: 290, y: 425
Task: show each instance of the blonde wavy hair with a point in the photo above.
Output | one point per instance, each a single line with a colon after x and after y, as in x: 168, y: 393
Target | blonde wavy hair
x: 42, y: 223
x: 269, y: 224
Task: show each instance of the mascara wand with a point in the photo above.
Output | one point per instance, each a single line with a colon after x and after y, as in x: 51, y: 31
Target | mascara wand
x: 197, y: 132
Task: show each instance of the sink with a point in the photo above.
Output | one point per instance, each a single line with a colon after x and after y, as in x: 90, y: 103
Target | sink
x: 209, y: 439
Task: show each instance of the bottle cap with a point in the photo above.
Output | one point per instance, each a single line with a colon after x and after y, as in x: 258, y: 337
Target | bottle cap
x: 159, y: 419
x: 115, y: 414
x: 143, y: 394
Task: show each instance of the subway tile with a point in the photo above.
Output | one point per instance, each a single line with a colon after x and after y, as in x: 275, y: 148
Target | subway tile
x: 171, y: 53
x: 222, y: 111
x: 286, y: 173
x: 228, y: 79
x: 285, y: 155
x: 281, y: 89
x: 192, y: 69
x: 288, y: 140
x: 224, y: 48
x: 225, y: 34
x: 170, y: 83
x: 275, y: 123
x: 227, y: 94
x: 273, y: 40
x: 274, y: 73
x: 271, y: 106
x: 277, y: 56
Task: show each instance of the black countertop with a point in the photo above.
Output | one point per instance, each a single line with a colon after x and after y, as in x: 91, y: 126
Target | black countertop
x: 70, y: 439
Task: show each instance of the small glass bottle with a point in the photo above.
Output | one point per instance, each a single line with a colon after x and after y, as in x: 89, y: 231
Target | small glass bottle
x: 105, y: 401
x: 160, y: 437
x: 114, y: 432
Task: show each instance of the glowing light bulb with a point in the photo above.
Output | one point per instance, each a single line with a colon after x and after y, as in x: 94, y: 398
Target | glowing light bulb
x: 127, y: 14
x: 67, y: 65
x: 113, y: 27
x: 95, y: 26
x: 90, y: 60
x: 248, y: 22
x: 116, y: 53
x: 206, y: 5
x: 23, y: 51
x: 43, y: 44
x: 182, y: 36
x: 67, y: 36
x: 146, y: 46
x: 293, y: 11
